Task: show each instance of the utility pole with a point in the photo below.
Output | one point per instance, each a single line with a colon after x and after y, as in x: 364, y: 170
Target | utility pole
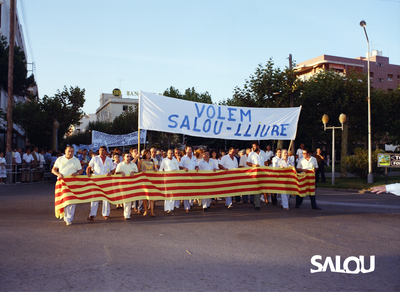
x: 291, y: 105
x: 10, y: 100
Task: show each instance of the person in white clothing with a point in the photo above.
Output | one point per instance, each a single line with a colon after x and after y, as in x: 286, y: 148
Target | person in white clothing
x: 269, y: 153
x: 275, y: 161
x: 101, y: 164
x: 65, y: 166
x: 392, y: 188
x: 307, y: 162
x: 27, y: 159
x: 227, y: 162
x: 17, y: 162
x: 169, y: 164
x: 299, y: 152
x: 285, y: 162
x: 188, y: 162
x: 207, y: 164
x: 256, y: 158
x: 127, y: 167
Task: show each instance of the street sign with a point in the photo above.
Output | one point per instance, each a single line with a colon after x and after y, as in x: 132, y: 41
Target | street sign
x: 388, y: 160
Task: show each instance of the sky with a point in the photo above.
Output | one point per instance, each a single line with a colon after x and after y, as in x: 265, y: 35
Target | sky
x: 212, y: 46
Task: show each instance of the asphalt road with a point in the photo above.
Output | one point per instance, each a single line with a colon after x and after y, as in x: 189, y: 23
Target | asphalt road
x: 218, y: 250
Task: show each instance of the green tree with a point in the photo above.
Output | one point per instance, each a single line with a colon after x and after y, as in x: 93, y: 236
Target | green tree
x: 37, y: 118
x: 20, y: 80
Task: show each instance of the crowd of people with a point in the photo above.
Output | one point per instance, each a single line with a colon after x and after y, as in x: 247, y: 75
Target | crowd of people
x: 104, y: 162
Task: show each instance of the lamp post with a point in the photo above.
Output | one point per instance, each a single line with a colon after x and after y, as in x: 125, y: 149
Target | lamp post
x: 325, y: 120
x: 370, y: 177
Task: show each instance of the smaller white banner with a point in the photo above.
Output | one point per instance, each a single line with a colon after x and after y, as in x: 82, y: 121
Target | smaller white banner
x: 161, y: 113
x: 108, y: 140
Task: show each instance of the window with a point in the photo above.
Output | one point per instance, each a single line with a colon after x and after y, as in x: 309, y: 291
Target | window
x: 380, y: 79
x: 125, y: 107
x: 390, y: 77
x: 379, y: 64
x: 371, y: 74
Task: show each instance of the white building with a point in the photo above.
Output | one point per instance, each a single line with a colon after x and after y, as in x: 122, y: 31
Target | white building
x: 112, y: 106
x: 84, y: 122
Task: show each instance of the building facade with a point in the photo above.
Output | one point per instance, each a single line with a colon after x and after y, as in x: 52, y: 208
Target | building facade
x: 18, y: 133
x: 383, y: 75
x: 84, y: 122
x: 112, y: 106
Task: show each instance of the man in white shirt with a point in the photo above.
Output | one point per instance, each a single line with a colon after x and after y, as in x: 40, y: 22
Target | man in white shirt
x: 275, y: 163
x: 125, y: 168
x: 169, y: 164
x: 227, y: 162
x: 299, y: 153
x: 269, y: 153
x: 17, y: 161
x: 65, y: 166
x: 256, y: 158
x: 188, y: 162
x: 307, y: 162
x: 27, y: 159
x: 207, y: 164
x: 156, y: 158
x: 101, y: 164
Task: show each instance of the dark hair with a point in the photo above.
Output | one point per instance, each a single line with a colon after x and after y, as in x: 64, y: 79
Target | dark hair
x: 103, y: 147
x: 255, y: 142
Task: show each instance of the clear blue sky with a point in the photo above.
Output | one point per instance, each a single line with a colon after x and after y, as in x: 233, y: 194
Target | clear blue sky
x: 210, y: 45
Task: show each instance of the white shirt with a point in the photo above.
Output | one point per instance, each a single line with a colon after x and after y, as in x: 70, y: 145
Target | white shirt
x: 67, y: 166
x: 394, y: 189
x: 156, y: 163
x: 255, y: 158
x: 126, y: 168
x: 275, y: 161
x: 210, y: 165
x: 41, y: 160
x: 98, y: 167
x: 169, y: 164
x: 243, y: 161
x: 269, y: 154
x: 307, y: 164
x: 283, y: 163
x: 299, y: 154
x: 27, y: 158
x: 189, y: 163
x: 17, y: 157
x: 228, y: 162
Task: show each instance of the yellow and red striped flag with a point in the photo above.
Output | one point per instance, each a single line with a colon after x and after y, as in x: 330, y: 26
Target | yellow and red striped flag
x: 181, y: 185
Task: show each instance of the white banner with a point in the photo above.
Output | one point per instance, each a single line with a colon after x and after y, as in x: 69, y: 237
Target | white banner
x: 108, y: 140
x: 161, y: 113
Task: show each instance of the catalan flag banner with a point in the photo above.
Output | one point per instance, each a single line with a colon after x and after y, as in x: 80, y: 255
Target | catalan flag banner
x: 181, y: 185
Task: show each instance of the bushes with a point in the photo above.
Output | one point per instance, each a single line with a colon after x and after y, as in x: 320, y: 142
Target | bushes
x: 357, y: 164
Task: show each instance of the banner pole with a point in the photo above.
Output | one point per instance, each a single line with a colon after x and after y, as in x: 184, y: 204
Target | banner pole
x: 139, y: 144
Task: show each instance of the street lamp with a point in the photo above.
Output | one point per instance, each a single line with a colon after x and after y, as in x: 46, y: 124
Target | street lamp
x: 370, y: 178
x: 325, y: 120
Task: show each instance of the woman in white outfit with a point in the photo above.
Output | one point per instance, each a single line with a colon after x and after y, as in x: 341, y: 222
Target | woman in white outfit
x: 285, y: 162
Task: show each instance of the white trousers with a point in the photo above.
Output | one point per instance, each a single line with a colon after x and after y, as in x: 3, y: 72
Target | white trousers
x: 105, y: 211
x: 127, y: 209
x: 169, y: 205
x: 285, y: 200
x: 228, y: 201
x: 206, y: 203
x: 187, y: 204
x: 69, y: 213
x: 177, y: 203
